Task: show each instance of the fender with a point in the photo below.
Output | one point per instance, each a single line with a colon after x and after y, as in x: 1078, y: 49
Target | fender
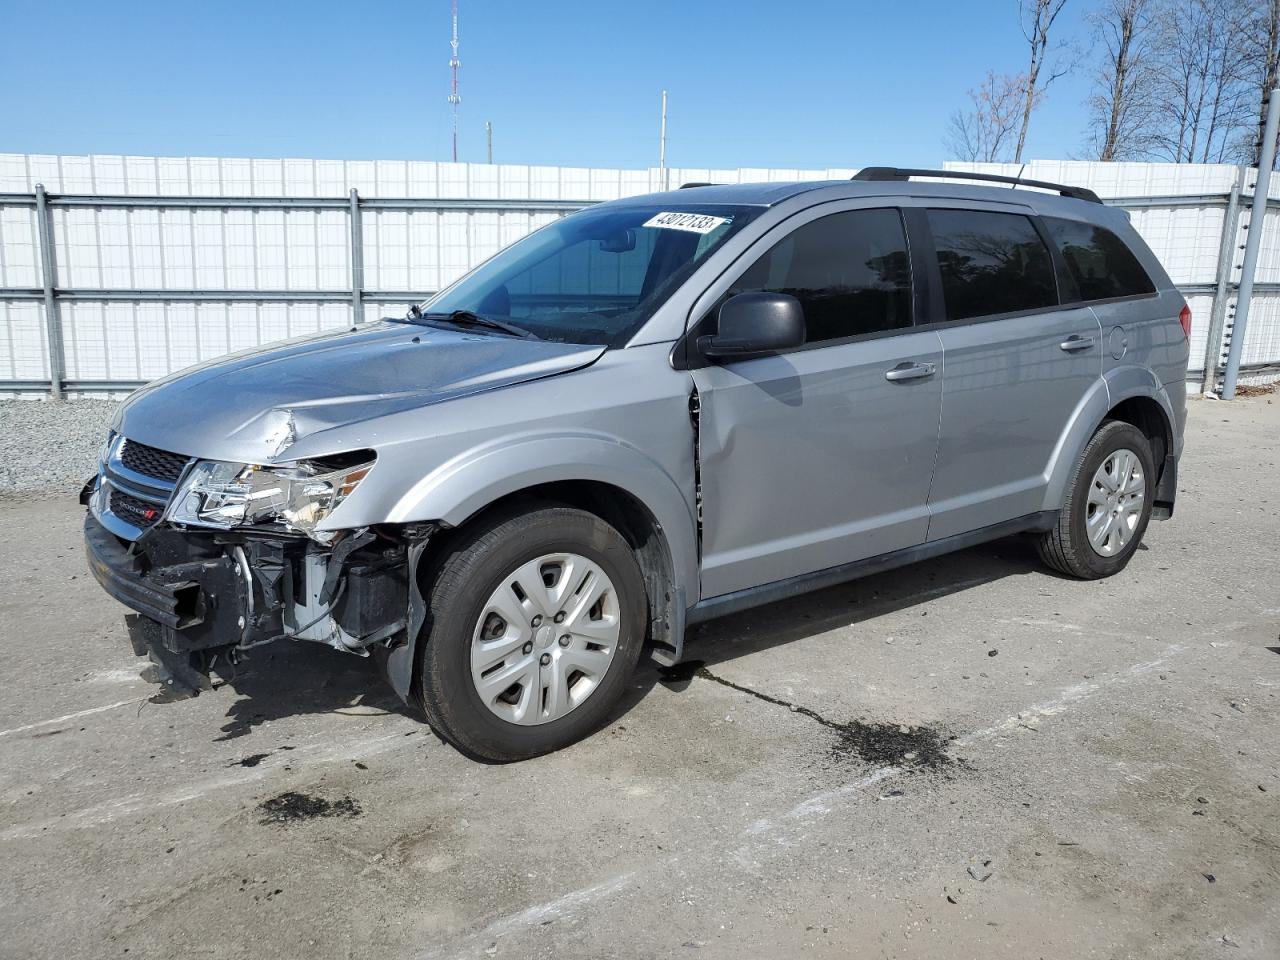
x: 469, y: 482
x: 466, y: 484
x: 1115, y: 385
x: 1133, y: 381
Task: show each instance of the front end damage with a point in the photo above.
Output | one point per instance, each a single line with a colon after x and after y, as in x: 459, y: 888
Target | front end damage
x: 204, y: 592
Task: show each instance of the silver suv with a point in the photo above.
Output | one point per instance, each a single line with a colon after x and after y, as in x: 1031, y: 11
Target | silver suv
x: 644, y: 415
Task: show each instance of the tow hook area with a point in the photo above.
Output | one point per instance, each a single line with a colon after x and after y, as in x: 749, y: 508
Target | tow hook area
x: 180, y: 675
x: 201, y: 599
x: 192, y: 600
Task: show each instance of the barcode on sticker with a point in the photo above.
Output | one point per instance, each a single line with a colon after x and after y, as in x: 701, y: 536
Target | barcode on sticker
x: 693, y: 222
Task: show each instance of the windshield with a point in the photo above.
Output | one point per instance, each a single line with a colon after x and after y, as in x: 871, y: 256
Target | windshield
x: 593, y: 277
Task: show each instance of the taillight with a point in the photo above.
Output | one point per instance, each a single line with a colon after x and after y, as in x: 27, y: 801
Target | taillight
x: 1184, y: 318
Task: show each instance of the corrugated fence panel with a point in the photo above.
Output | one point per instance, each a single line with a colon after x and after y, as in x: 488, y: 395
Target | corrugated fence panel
x: 415, y: 251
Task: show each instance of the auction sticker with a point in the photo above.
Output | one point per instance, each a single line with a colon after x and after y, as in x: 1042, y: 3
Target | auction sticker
x: 692, y: 222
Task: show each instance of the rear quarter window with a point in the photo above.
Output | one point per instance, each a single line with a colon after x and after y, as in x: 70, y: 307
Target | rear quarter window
x: 1101, y: 264
x: 991, y: 263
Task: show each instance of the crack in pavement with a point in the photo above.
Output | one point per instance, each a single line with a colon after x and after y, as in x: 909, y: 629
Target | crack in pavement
x: 766, y: 833
x: 876, y: 743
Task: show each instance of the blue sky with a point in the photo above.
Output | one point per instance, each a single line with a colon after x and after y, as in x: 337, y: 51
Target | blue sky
x: 787, y: 83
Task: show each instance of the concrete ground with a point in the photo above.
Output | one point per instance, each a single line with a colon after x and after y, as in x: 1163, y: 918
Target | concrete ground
x: 967, y: 758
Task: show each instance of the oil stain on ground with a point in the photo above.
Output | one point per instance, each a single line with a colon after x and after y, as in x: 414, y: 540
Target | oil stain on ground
x: 291, y: 807
x: 876, y: 744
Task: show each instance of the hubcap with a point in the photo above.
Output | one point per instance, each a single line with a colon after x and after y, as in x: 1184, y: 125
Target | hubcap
x: 545, y: 638
x: 1115, y: 502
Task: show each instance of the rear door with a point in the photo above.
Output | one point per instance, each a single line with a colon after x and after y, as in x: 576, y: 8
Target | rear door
x: 1139, y: 325
x: 813, y: 458
x: 1017, y: 363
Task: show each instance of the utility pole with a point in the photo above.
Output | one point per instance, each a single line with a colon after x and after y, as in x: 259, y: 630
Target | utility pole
x: 662, y: 144
x: 488, y: 139
x: 454, y: 63
x: 1249, y: 265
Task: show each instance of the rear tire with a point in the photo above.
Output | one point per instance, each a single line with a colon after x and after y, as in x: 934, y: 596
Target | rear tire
x: 1108, y: 505
x: 512, y: 598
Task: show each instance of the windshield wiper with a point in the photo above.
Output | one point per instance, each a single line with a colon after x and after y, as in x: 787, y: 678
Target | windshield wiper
x: 468, y: 318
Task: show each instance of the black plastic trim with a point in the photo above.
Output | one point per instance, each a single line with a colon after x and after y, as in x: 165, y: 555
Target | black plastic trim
x: 710, y: 608
x: 1064, y: 284
x: 931, y: 309
x: 118, y: 572
x: 1166, y: 490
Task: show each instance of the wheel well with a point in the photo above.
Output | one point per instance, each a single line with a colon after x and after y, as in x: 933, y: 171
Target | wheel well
x: 1149, y: 417
x: 631, y: 518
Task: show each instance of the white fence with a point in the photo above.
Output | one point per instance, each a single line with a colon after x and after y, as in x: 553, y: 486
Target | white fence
x: 163, y: 262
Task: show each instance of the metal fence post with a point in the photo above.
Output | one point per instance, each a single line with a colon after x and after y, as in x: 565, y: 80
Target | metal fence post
x: 1222, y: 286
x: 48, y: 276
x: 1249, y: 266
x: 357, y: 260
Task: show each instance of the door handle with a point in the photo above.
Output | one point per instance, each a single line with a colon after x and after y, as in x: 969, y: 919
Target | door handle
x: 1074, y: 343
x: 910, y: 371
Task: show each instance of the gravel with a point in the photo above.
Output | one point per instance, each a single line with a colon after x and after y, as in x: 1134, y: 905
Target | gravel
x: 48, y: 447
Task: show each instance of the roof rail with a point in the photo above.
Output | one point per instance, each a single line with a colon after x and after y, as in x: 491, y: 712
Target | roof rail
x: 902, y: 173
x: 696, y: 183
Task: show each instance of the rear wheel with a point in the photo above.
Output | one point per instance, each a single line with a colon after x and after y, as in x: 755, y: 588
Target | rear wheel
x: 1108, y: 505
x: 536, y: 621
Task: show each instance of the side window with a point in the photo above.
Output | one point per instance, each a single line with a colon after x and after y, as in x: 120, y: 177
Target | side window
x: 849, y: 270
x: 1103, y: 267
x: 991, y: 263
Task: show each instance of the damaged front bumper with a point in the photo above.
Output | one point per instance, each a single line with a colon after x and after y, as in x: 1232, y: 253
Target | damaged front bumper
x: 201, y: 598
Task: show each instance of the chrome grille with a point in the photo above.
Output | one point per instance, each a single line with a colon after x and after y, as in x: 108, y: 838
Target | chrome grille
x: 135, y: 484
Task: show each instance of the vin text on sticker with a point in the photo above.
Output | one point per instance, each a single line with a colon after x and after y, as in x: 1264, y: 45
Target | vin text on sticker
x: 693, y: 222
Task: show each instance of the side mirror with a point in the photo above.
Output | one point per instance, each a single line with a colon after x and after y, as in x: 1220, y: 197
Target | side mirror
x: 755, y: 323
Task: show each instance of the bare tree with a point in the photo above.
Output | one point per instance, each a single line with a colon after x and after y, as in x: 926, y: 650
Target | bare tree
x: 1264, y: 64
x: 1037, y: 17
x: 1120, y: 107
x: 1202, y: 89
x: 984, y: 131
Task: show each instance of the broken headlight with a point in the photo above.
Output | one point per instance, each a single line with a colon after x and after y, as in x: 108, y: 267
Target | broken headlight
x: 299, y: 495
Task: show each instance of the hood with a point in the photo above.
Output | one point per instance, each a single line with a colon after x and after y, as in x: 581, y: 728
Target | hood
x: 254, y: 406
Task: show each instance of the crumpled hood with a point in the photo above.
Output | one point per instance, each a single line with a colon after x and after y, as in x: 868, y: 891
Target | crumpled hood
x: 252, y: 406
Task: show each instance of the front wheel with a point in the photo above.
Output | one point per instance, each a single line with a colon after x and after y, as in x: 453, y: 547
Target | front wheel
x: 536, y: 620
x: 1108, y: 505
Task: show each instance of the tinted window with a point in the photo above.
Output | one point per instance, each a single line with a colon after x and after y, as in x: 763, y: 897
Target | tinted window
x: 1099, y: 261
x: 991, y: 263
x: 849, y: 271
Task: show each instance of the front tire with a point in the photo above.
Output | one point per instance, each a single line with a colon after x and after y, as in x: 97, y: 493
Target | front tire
x: 536, y: 619
x: 1108, y: 505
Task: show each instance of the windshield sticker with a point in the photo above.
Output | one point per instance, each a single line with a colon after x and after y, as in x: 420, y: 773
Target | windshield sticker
x: 692, y: 222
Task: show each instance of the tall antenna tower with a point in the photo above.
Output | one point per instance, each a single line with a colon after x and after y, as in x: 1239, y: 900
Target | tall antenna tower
x: 454, y: 63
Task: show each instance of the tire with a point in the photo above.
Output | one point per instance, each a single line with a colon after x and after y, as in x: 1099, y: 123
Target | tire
x: 1068, y: 547
x: 491, y: 561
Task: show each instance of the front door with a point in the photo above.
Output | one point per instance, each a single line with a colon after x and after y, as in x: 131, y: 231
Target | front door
x: 821, y: 455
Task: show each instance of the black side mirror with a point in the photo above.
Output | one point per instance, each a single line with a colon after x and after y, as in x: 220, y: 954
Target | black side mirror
x: 755, y: 323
